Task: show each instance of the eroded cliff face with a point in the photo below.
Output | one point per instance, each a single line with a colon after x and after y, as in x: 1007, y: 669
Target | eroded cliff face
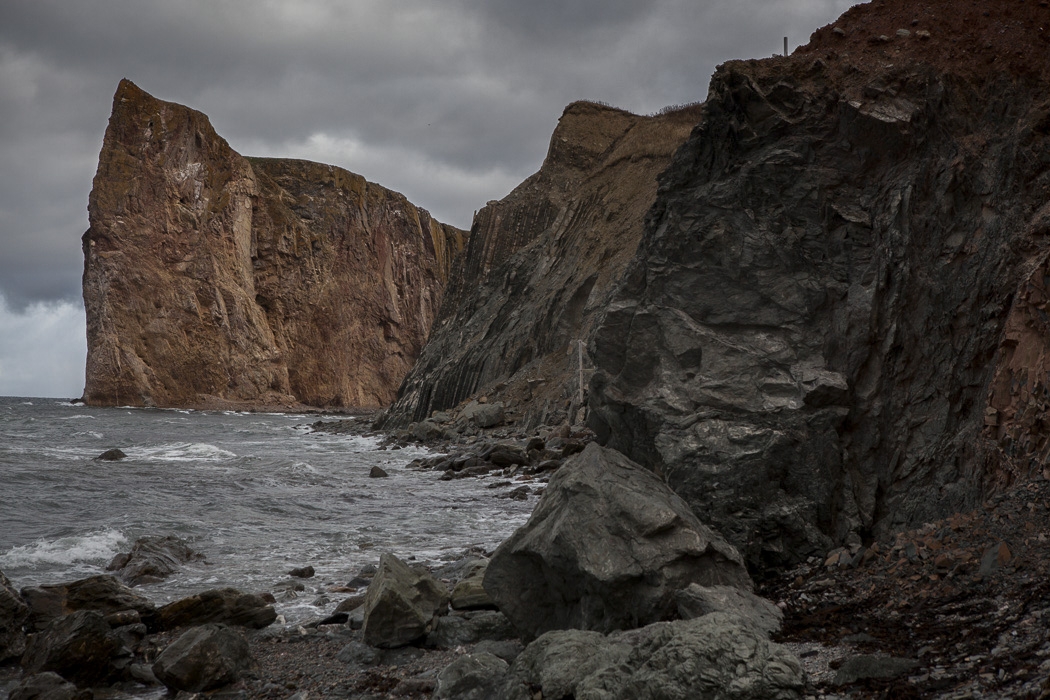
x: 836, y: 323
x: 213, y: 279
x: 540, y: 264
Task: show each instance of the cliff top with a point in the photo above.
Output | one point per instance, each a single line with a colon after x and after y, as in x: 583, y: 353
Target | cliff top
x: 975, y: 39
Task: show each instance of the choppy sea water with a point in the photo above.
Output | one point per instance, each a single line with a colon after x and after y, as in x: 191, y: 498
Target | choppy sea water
x: 257, y: 494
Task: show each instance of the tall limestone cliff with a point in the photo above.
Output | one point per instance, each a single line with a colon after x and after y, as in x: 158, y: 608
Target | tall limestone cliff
x: 836, y: 324
x: 540, y: 264
x: 213, y: 279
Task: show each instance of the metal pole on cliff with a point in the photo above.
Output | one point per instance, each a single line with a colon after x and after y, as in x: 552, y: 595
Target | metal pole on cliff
x: 580, y: 356
x: 785, y: 46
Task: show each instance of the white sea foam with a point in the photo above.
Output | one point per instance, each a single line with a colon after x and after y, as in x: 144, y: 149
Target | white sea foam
x: 183, y: 452
x: 100, y: 546
x: 76, y: 416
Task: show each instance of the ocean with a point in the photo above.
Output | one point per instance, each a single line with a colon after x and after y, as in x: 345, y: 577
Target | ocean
x: 257, y: 494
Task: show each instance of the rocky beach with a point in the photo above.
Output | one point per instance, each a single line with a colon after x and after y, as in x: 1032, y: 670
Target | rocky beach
x: 754, y: 391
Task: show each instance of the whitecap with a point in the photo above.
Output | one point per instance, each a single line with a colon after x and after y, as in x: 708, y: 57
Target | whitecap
x: 100, y: 546
x: 182, y: 452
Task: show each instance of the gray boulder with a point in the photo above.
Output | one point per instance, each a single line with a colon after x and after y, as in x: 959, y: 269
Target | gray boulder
x: 103, y: 594
x: 472, y: 677
x: 13, y: 615
x: 697, y: 601
x: 483, y: 415
x: 451, y: 631
x: 715, y: 657
x: 225, y: 605
x: 401, y: 603
x: 46, y: 686
x: 607, y: 547
x: 153, y: 559
x: 80, y: 647
x: 203, y: 658
x: 469, y: 593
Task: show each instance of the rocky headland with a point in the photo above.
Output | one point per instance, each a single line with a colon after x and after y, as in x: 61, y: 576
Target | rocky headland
x: 211, y: 279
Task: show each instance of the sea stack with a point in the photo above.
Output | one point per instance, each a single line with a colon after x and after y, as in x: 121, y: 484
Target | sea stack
x: 211, y: 279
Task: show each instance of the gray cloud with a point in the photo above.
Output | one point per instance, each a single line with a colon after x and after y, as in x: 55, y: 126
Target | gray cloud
x: 451, y: 102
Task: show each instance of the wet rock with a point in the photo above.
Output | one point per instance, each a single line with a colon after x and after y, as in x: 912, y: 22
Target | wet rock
x: 103, y: 594
x: 858, y: 668
x: 47, y: 686
x: 401, y: 603
x: 469, y: 593
x: 112, y: 455
x: 203, y: 658
x: 14, y: 613
x: 226, y: 605
x: 153, y: 559
x: 507, y: 456
x: 80, y: 647
x: 302, y: 572
x: 697, y: 601
x: 451, y: 631
x: 713, y: 656
x: 377, y: 473
x: 472, y: 677
x: 606, y: 548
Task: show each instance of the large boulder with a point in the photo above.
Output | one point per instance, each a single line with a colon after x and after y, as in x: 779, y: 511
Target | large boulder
x: 697, y: 601
x: 152, y: 559
x: 607, y: 548
x: 205, y: 657
x: 47, y: 686
x: 469, y: 593
x: 401, y: 604
x: 80, y: 647
x: 224, y: 605
x: 103, y: 594
x: 13, y: 616
x: 715, y: 657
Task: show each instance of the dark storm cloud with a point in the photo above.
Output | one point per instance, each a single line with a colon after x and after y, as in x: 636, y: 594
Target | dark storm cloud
x: 451, y: 102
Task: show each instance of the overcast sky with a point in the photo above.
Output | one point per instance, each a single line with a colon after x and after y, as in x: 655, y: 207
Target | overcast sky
x: 451, y: 102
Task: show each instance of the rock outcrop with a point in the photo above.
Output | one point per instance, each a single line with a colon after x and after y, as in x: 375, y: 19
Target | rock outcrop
x: 835, y: 323
x: 214, y: 279
x: 540, y: 264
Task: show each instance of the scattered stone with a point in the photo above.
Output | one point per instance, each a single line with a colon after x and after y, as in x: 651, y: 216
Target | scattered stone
x: 112, y: 455
x: 697, y: 601
x: 80, y: 647
x: 377, y: 473
x: 923, y: 34
x: 302, y: 572
x: 153, y: 559
x: 472, y: 677
x: 203, y: 658
x: 13, y: 615
x: 226, y: 605
x: 903, y: 33
x: 858, y: 668
x: 401, y: 603
x: 607, y: 547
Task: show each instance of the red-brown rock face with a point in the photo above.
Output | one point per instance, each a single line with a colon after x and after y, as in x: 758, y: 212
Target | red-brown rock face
x: 213, y: 279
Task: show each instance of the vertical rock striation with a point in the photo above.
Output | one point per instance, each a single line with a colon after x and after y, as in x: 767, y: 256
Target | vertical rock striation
x: 540, y: 264
x: 836, y: 321
x: 214, y: 279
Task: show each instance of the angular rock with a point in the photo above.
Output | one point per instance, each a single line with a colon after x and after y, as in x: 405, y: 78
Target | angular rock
x: 46, y: 686
x: 215, y: 279
x: 377, y: 473
x: 80, y: 647
x: 715, y: 656
x: 302, y: 572
x: 102, y: 593
x: 203, y: 658
x: 697, y: 601
x: 14, y: 614
x: 401, y: 604
x: 225, y: 605
x: 152, y: 559
x: 606, y: 548
x: 451, y: 631
x: 469, y: 593
x: 471, y: 677
x: 112, y: 455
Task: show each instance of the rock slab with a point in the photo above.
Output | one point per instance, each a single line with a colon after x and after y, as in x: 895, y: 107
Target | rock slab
x: 80, y: 647
x: 401, y: 604
x: 607, y: 548
x: 224, y: 605
x: 203, y: 658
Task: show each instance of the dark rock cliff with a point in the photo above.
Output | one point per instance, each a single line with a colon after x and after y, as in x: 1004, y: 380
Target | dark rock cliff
x: 836, y: 321
x: 540, y: 264
x: 213, y: 279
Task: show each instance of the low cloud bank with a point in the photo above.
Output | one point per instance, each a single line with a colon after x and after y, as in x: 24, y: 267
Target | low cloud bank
x: 43, y: 349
